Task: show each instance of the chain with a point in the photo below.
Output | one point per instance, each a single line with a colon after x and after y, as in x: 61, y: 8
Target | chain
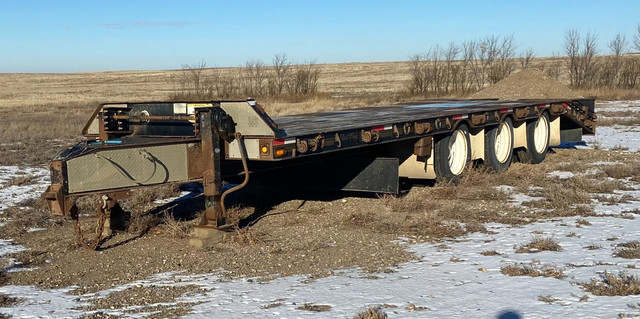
x: 76, y: 226
x: 102, y: 217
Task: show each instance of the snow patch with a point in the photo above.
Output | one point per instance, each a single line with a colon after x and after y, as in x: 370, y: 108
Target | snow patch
x: 10, y: 195
x: 560, y: 175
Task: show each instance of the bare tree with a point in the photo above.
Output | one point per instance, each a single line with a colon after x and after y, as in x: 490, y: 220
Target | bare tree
x: 192, y: 82
x: 450, y: 56
x: 588, y: 61
x: 503, y: 64
x: 434, y: 70
x: 572, y: 51
x: 609, y: 74
x: 254, y: 78
x: 418, y: 83
x: 526, y: 58
x: 580, y: 57
x: 636, y: 39
x: 281, y: 70
x: 305, y: 79
x: 476, y: 58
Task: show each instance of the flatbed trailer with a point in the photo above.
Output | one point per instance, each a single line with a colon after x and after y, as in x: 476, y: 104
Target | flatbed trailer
x: 133, y: 145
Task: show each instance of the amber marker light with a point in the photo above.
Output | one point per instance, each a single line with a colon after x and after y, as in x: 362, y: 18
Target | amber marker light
x: 280, y: 152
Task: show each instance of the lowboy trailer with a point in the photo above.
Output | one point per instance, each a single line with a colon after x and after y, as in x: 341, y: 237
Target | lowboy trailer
x: 133, y: 145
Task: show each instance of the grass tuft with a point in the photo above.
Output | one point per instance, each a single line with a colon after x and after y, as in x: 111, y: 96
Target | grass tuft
x: 6, y: 301
x: 315, y: 308
x: 532, y: 270
x: 372, y: 313
x: 548, y: 299
x: 630, y: 250
x: 611, y: 284
x: 539, y: 244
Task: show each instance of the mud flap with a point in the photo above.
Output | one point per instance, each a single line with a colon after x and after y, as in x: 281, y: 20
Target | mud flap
x: 360, y: 174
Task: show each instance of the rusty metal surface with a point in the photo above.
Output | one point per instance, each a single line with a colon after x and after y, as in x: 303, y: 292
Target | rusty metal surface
x: 314, y: 123
x: 211, y: 179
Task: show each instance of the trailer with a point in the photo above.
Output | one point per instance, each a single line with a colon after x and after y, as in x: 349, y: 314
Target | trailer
x: 133, y: 145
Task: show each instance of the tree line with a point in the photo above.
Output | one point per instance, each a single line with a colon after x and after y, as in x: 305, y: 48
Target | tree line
x: 442, y: 70
x: 254, y: 79
x: 474, y: 64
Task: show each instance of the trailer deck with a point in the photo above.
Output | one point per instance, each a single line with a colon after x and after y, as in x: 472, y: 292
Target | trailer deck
x: 335, y: 121
x: 133, y: 145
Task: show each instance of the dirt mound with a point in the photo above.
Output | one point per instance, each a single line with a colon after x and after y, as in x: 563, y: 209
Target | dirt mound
x: 527, y: 84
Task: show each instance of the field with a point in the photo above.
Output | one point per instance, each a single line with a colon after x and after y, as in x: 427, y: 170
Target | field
x: 552, y: 240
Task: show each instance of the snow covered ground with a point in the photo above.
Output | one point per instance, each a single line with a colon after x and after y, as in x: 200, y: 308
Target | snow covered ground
x: 451, y: 279
x: 35, y: 182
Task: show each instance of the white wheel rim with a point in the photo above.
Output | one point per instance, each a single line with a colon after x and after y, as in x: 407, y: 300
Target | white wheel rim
x: 503, y: 142
x: 541, y: 134
x: 458, y: 150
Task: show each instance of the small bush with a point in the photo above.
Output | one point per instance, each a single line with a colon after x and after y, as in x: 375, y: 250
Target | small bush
x: 630, y: 250
x: 547, y: 299
x: 315, y: 308
x: 21, y: 181
x: 533, y: 270
x: 175, y: 228
x: 583, y: 222
x: 6, y: 301
x: 539, y: 244
x: 371, y: 313
x: 248, y: 236
x: 21, y: 220
x: 610, y: 284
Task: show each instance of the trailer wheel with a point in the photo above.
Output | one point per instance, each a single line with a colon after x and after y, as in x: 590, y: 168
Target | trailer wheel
x: 538, y: 139
x: 452, y: 153
x: 498, y: 142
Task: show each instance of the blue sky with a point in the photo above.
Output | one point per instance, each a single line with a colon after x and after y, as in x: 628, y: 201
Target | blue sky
x: 77, y: 36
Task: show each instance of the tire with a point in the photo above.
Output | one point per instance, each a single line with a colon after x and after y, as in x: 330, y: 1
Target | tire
x: 538, y: 132
x: 452, y: 153
x: 498, y: 146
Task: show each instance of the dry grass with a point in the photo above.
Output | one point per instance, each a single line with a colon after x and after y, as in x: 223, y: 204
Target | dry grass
x: 248, y: 236
x: 614, y: 199
x: 34, y: 135
x: 621, y: 118
x: 31, y: 213
x: 143, y: 296
x: 534, y: 269
x: 630, y: 168
x: 448, y: 210
x: 539, y: 244
x: 314, y: 308
x: 21, y: 181
x: 613, y: 284
x: 490, y: 253
x: 29, y: 258
x: 174, y: 228
x: 142, y: 198
x: 6, y: 301
x: 582, y: 222
x: 630, y: 250
x: 371, y: 313
x: 548, y: 299
x: 613, y: 121
x: 610, y: 94
x: 142, y: 223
